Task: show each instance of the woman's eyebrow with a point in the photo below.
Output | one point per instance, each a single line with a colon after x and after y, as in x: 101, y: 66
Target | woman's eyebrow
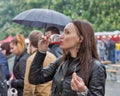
x: 65, y: 29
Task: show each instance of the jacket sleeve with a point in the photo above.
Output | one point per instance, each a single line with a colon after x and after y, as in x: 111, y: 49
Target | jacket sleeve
x: 5, y: 70
x: 4, y: 65
x: 17, y: 83
x: 39, y: 75
x: 97, y: 80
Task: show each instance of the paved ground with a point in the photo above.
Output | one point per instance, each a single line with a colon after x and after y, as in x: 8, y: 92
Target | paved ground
x: 113, y: 87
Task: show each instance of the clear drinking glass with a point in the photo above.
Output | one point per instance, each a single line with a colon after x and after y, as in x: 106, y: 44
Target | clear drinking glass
x: 55, y: 39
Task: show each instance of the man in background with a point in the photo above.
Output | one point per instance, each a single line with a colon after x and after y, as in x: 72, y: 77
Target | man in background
x: 54, y: 48
x: 41, y: 89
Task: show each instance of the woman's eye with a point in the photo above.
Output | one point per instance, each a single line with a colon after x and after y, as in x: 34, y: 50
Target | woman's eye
x: 67, y: 32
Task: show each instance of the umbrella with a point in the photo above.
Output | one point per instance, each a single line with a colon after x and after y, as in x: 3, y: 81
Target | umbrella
x: 42, y: 18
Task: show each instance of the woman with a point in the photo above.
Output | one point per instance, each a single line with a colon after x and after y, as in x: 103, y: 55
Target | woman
x: 18, y: 48
x: 78, y: 71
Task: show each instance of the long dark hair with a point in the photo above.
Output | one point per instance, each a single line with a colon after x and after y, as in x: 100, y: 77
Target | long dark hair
x: 87, y: 49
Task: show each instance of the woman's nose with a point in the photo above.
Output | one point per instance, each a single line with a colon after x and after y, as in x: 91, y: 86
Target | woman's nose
x: 61, y: 35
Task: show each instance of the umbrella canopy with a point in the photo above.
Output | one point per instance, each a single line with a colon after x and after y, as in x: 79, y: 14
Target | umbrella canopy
x: 42, y: 18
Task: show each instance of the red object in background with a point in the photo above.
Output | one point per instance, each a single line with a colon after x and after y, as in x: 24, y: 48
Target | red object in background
x: 115, y: 38
x: 8, y: 39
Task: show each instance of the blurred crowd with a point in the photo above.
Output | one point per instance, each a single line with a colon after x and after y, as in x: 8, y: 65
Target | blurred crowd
x: 108, y: 50
x: 15, y: 59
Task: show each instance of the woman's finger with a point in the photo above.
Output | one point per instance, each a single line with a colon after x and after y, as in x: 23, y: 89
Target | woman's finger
x: 77, y: 82
x: 73, y: 85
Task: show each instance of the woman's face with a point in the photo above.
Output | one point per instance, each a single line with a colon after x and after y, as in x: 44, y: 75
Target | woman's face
x: 69, y: 38
x: 14, y: 49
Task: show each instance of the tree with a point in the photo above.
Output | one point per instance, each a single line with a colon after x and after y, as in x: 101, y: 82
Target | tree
x: 103, y: 14
x: 9, y: 9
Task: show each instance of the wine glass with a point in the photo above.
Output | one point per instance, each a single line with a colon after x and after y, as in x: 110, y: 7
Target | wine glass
x: 55, y: 39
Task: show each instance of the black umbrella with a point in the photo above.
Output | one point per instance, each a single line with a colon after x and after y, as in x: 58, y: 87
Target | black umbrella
x: 42, y: 18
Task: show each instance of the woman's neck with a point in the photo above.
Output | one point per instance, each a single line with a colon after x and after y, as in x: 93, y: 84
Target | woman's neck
x: 73, y: 53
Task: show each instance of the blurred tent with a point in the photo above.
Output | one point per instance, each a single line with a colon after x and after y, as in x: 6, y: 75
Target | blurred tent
x: 7, y: 39
x: 115, y: 35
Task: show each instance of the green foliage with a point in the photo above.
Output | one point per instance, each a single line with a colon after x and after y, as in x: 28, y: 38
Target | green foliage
x: 103, y: 14
x: 13, y: 29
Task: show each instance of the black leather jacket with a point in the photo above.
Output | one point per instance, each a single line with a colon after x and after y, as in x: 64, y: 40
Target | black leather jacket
x: 19, y: 72
x: 61, y: 75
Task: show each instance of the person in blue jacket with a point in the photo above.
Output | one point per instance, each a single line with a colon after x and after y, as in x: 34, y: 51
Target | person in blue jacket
x: 4, y: 65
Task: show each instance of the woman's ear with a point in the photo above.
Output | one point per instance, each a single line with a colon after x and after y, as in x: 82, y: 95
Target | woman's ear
x: 81, y: 38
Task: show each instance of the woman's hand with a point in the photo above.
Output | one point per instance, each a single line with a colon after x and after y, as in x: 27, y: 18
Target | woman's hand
x: 11, y: 78
x: 77, y: 84
x: 43, y: 44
